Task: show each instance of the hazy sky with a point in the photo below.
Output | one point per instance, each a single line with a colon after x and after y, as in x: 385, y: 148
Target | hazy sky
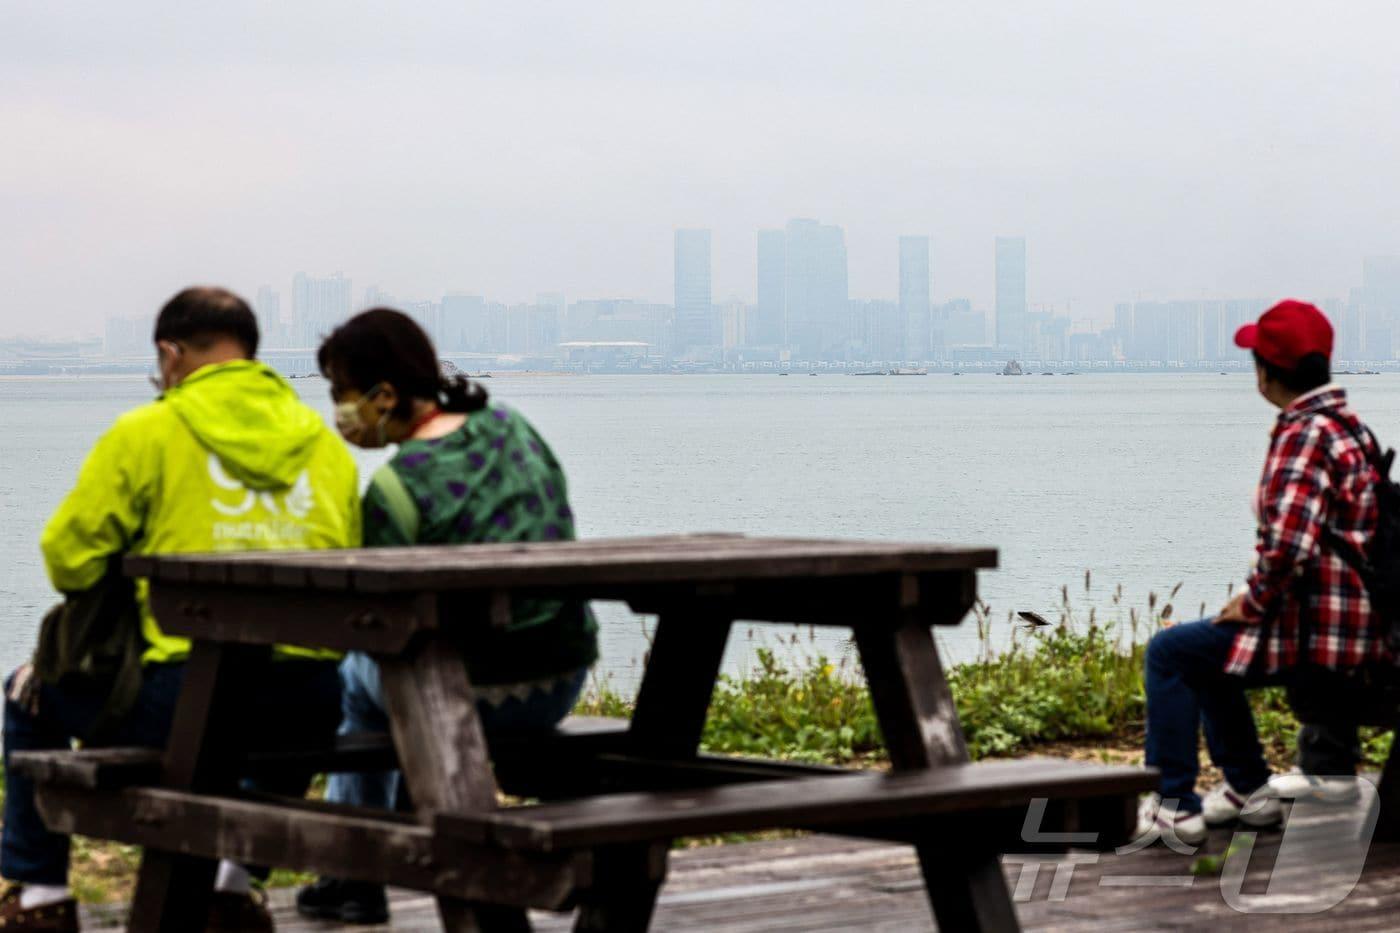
x: 1169, y: 149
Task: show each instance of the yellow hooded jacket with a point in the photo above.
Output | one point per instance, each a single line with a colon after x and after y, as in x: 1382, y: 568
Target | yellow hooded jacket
x: 229, y: 460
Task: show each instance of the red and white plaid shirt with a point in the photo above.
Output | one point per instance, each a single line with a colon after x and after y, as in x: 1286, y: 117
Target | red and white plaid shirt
x: 1317, y: 475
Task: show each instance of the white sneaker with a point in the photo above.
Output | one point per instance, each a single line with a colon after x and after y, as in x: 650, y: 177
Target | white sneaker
x: 1337, y: 788
x: 1159, y: 818
x: 1224, y: 805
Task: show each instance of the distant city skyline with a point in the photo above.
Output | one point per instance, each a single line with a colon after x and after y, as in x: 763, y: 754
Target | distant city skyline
x: 805, y: 312
x: 803, y: 305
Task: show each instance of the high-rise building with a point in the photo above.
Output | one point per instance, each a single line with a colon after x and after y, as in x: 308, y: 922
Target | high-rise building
x: 1180, y: 331
x: 497, y: 327
x: 914, y: 304
x: 425, y: 315
x: 695, y: 315
x: 877, y: 330
x: 1351, y: 335
x: 770, y: 324
x: 815, y: 290
x: 965, y: 327
x: 128, y: 336
x: 542, y: 328
x: 376, y: 297
x: 1214, y: 338
x: 1183, y: 331
x: 1380, y: 286
x: 318, y: 305
x: 1011, y: 293
x: 517, y: 328
x: 554, y: 300
x: 735, y: 323
x: 267, y: 308
x: 462, y: 323
x: 1123, y: 330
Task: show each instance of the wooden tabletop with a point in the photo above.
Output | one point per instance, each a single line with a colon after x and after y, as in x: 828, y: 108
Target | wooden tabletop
x: 661, y: 559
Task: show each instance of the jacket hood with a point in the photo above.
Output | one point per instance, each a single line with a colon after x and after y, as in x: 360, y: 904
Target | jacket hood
x: 251, y: 419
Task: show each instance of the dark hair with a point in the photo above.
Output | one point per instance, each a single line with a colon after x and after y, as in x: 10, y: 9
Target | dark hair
x: 199, y: 316
x: 384, y: 345
x: 1311, y: 372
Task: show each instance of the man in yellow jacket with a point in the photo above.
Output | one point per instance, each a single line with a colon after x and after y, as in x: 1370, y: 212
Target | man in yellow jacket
x: 228, y: 458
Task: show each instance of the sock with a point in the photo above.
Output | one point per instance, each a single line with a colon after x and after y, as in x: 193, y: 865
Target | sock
x: 41, y: 895
x: 232, y: 878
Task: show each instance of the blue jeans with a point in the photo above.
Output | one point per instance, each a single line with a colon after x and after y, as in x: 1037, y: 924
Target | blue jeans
x: 296, y: 702
x: 362, y: 710
x: 1187, y: 688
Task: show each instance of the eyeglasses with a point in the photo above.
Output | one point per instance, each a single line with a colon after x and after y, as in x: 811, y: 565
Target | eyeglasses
x: 156, y: 378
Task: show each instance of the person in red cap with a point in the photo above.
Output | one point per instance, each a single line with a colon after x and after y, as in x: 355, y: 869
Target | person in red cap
x: 1318, y: 487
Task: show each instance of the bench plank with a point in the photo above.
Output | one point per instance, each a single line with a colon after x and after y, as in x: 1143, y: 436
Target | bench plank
x: 322, y: 840
x: 804, y: 802
x: 112, y: 768
x: 91, y: 768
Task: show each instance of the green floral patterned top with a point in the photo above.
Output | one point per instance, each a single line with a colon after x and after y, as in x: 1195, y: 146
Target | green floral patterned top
x: 492, y: 480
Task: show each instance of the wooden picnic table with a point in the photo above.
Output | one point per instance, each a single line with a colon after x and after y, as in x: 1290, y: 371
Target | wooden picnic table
x: 613, y: 797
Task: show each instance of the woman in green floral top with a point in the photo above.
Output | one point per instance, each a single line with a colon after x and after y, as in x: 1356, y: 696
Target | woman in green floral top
x: 467, y: 471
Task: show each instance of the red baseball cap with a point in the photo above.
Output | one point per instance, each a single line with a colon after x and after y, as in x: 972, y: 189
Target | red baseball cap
x: 1286, y: 333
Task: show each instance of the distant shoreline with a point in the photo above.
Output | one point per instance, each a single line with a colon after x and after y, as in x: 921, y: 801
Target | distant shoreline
x: 132, y: 374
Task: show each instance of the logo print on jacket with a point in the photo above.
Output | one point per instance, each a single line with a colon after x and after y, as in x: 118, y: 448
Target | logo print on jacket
x: 297, y: 502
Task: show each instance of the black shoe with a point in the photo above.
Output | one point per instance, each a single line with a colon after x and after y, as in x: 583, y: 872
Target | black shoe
x: 238, y: 913
x: 346, y: 901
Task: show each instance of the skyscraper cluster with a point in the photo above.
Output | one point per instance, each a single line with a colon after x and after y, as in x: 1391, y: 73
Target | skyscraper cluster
x: 803, y: 312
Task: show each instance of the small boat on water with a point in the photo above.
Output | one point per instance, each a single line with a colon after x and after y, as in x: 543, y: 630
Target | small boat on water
x: 1012, y: 368
x: 892, y: 372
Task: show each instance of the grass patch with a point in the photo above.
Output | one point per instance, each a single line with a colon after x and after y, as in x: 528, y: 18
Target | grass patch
x: 1076, y: 680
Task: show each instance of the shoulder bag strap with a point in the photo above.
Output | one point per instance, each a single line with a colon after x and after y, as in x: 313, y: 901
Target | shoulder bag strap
x: 403, y: 511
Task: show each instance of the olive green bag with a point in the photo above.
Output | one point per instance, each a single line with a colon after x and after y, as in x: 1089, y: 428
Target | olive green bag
x: 92, y: 641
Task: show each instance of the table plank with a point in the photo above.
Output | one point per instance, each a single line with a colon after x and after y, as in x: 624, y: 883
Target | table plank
x: 600, y: 561
x: 806, y: 802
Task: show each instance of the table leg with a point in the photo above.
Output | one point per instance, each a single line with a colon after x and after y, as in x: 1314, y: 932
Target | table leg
x: 207, y: 737
x: 1388, y: 798
x: 667, y: 722
x: 920, y: 725
x: 679, y: 681
x: 443, y: 755
x: 626, y: 880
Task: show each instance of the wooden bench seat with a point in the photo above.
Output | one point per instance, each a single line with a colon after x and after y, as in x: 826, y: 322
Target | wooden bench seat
x: 108, y: 768
x: 343, y: 842
x: 826, y: 802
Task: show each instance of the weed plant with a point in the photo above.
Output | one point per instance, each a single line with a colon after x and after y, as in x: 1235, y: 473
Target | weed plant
x: 1076, y: 679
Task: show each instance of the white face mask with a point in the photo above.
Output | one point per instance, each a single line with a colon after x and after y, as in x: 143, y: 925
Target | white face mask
x: 352, y: 426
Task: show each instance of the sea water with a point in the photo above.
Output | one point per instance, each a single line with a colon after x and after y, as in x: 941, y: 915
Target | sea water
x: 1142, y: 480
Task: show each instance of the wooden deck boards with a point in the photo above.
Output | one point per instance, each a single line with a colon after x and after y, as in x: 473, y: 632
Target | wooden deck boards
x: 827, y: 883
